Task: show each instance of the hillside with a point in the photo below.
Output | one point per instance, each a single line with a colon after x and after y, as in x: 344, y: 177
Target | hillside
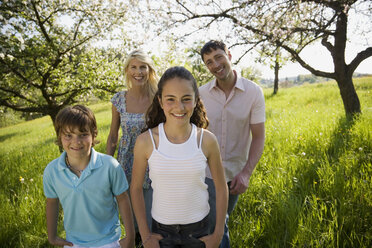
x: 312, y: 187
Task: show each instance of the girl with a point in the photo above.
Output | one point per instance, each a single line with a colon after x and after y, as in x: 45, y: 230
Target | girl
x: 128, y: 111
x: 178, y: 149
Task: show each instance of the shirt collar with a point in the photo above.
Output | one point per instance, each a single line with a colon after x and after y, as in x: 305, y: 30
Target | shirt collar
x: 94, y: 162
x: 239, y: 84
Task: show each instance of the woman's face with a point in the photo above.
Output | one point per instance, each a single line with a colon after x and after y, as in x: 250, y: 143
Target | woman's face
x: 138, y: 72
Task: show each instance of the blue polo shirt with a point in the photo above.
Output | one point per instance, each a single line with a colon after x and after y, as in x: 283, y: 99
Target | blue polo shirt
x: 89, y: 205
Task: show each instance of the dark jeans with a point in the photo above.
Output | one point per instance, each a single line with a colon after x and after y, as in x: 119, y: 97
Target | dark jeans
x: 233, y: 199
x: 181, y: 236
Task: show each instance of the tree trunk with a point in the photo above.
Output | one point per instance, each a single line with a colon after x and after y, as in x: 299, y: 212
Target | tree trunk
x: 52, y: 112
x: 53, y: 115
x: 276, y: 78
x: 344, y: 76
x: 349, y: 96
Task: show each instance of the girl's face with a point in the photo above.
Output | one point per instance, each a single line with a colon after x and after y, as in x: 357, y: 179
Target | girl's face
x: 138, y: 72
x: 178, y: 100
x: 77, y: 144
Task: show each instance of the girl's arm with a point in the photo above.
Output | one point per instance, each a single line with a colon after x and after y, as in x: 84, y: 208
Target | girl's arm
x: 127, y: 218
x: 142, y: 151
x: 211, y: 150
x: 52, y: 208
x: 112, y: 139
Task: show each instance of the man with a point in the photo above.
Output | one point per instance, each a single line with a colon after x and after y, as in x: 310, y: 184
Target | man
x: 236, y: 111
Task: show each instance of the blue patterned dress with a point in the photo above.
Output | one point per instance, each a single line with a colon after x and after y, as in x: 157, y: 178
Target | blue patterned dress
x: 131, y: 125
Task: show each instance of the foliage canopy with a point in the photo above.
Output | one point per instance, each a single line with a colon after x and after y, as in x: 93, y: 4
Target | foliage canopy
x: 46, y: 57
x: 290, y: 25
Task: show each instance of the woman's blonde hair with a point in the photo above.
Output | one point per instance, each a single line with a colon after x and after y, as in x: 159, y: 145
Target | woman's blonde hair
x: 152, y: 85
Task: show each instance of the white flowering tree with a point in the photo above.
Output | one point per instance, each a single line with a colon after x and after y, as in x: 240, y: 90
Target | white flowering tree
x: 290, y: 25
x: 46, y: 61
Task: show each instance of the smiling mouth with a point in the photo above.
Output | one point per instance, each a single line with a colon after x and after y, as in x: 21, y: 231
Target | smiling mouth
x: 76, y: 149
x: 219, y: 71
x: 138, y: 78
x: 179, y: 115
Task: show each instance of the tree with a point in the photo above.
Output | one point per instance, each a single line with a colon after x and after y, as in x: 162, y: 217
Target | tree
x: 46, y: 57
x: 276, y: 60
x: 196, y: 64
x: 251, y: 73
x: 289, y: 24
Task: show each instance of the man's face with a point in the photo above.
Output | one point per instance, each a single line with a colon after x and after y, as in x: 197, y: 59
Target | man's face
x: 218, y: 63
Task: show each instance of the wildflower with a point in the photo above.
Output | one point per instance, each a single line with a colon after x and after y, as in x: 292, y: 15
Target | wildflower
x: 10, y: 57
x: 31, y: 180
x: 21, y: 179
x: 303, y: 153
x: 360, y: 149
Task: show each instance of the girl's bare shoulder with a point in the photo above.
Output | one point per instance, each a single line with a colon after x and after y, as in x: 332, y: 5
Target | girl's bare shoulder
x: 208, y: 136
x: 144, y: 139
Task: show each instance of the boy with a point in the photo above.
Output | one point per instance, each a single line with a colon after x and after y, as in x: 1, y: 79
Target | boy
x: 90, y: 186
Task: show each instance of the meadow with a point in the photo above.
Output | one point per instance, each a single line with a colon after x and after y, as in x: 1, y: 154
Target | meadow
x: 312, y: 187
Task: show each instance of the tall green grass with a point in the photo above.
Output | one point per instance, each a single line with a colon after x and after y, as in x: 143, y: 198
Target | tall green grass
x: 312, y: 187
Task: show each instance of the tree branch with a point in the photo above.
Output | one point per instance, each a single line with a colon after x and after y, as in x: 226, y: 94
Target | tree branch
x: 359, y: 58
x: 297, y: 57
x: 17, y: 73
x: 17, y: 94
x: 41, y: 25
x: 327, y: 44
x: 39, y: 109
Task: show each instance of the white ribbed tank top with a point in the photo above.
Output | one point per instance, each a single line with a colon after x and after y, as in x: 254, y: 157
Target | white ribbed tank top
x: 177, y: 172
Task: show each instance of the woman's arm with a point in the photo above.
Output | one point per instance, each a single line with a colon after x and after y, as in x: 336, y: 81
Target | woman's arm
x: 112, y: 138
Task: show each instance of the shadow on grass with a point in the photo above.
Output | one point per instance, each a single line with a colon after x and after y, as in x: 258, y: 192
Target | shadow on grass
x: 269, y: 96
x: 306, y: 180
x: 340, y: 139
x: 299, y: 189
x: 10, y: 135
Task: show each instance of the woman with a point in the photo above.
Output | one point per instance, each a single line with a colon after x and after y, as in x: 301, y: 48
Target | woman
x: 128, y: 111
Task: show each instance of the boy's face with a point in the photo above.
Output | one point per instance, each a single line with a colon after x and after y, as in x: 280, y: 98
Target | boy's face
x: 77, y: 144
x: 218, y: 63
